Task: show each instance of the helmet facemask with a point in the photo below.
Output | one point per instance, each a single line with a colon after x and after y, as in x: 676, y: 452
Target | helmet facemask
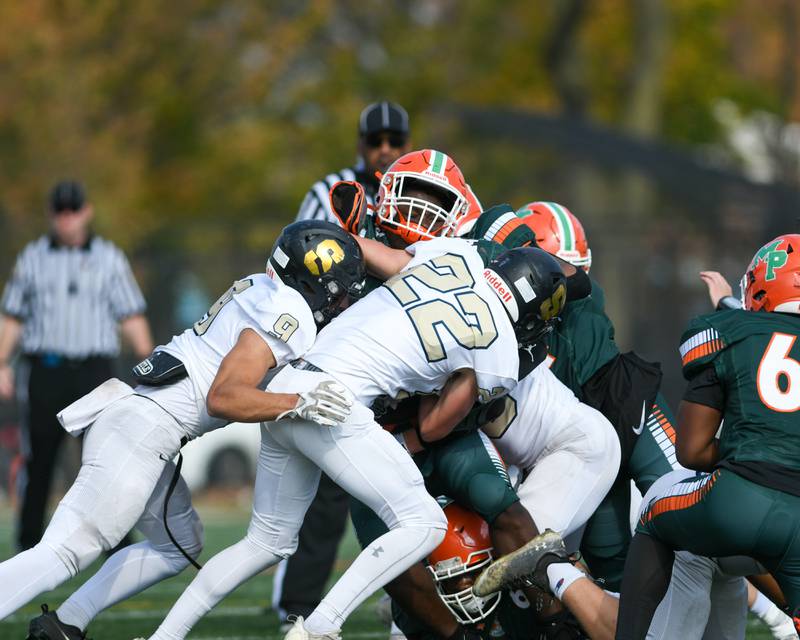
x: 338, y: 296
x: 462, y: 602
x: 406, y: 211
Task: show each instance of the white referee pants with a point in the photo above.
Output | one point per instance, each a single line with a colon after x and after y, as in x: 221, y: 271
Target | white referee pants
x: 366, y: 462
x: 573, y: 474
x: 125, y: 453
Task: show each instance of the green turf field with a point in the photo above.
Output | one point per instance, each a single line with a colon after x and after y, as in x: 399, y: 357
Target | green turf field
x: 243, y: 615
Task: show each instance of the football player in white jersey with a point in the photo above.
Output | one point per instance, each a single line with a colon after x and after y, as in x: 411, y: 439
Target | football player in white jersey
x: 436, y: 326
x: 568, y: 452
x: 131, y: 435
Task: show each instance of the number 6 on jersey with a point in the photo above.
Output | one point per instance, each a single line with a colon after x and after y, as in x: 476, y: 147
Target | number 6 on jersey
x: 776, y: 365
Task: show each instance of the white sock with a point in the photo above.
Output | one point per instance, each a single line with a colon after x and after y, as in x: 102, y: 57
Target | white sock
x: 761, y: 605
x: 381, y: 562
x: 561, y: 575
x: 220, y: 575
x: 28, y: 574
x: 780, y: 624
x: 126, y: 573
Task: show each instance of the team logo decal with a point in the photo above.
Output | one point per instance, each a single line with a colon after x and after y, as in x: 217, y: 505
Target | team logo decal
x: 553, y: 305
x: 773, y: 257
x: 320, y: 260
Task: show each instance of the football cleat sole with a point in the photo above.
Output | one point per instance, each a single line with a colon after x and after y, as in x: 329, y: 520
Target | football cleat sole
x: 519, y: 567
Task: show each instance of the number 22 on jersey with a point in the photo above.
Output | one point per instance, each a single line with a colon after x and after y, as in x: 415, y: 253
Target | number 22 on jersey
x: 469, y: 321
x: 776, y: 365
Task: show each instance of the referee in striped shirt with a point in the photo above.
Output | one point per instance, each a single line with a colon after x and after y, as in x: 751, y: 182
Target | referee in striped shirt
x: 69, y: 295
x: 383, y: 136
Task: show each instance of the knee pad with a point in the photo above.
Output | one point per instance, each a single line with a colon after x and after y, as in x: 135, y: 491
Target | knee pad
x: 76, y: 546
x: 281, y: 546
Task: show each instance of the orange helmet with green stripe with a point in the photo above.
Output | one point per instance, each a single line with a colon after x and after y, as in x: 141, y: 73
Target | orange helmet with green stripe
x: 772, y: 281
x: 422, y: 195
x: 558, y: 231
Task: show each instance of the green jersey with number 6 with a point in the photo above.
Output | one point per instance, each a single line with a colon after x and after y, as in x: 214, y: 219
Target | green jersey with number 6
x: 756, y: 358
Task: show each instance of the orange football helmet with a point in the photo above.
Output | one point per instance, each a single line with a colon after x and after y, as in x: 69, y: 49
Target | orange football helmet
x: 474, y: 211
x: 465, y: 551
x: 772, y: 281
x: 558, y: 231
x: 401, y: 206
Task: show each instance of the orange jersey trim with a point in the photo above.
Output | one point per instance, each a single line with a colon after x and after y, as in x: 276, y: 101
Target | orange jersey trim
x: 704, y: 349
x: 677, y: 503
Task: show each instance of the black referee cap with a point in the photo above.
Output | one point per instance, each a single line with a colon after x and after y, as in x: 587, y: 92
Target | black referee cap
x: 383, y: 116
x: 67, y: 194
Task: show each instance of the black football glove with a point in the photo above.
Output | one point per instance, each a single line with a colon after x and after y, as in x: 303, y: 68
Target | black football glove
x: 349, y: 203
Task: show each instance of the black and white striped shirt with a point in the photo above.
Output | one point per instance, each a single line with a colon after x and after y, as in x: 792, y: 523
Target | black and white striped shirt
x: 317, y: 206
x: 71, y: 299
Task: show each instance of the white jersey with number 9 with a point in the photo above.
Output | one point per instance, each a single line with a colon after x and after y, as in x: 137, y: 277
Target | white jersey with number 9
x: 435, y: 317
x: 277, y: 313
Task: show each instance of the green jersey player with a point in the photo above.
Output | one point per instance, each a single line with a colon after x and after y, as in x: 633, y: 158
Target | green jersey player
x: 583, y: 354
x: 743, y: 366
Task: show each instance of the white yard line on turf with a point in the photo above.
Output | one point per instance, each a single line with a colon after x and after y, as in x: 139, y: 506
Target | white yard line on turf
x: 139, y: 614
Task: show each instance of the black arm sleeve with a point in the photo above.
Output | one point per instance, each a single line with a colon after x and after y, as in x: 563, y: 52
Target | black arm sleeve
x: 578, y: 285
x: 705, y: 388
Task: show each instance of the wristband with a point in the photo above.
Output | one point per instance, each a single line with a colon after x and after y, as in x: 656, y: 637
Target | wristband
x: 728, y: 302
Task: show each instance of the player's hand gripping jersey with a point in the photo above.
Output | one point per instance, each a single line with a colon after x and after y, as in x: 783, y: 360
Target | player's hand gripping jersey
x: 278, y: 313
x: 754, y: 358
x: 437, y: 316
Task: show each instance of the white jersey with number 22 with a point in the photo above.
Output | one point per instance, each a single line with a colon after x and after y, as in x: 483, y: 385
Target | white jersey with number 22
x: 438, y: 315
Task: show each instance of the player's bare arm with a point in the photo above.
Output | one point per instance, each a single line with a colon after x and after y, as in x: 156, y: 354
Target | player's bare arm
x: 234, y: 394
x: 438, y: 415
x: 383, y: 262
x: 695, y: 444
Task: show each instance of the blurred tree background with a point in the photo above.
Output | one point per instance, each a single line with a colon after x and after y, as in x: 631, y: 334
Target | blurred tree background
x: 665, y: 125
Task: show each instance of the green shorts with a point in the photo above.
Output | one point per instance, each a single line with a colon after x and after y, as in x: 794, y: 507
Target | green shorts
x: 464, y: 467
x: 722, y: 514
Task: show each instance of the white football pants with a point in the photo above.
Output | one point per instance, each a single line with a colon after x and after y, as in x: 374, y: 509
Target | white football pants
x: 702, y: 602
x: 366, y: 462
x: 125, y: 455
x: 573, y: 474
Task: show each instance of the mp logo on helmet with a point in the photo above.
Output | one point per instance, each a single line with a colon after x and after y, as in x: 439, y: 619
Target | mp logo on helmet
x: 773, y: 257
x: 323, y: 257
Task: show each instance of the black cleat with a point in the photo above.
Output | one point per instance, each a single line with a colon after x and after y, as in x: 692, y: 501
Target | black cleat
x: 525, y: 567
x: 48, y: 627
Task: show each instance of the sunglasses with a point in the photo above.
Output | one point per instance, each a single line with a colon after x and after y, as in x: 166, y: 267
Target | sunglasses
x: 375, y: 140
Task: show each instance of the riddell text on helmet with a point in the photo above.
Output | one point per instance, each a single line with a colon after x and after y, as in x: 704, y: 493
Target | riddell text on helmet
x: 498, y: 284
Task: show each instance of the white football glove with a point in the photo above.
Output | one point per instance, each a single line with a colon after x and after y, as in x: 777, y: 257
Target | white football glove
x: 326, y: 405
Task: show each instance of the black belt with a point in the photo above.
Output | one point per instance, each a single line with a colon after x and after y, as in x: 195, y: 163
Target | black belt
x: 304, y: 365
x: 56, y: 360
